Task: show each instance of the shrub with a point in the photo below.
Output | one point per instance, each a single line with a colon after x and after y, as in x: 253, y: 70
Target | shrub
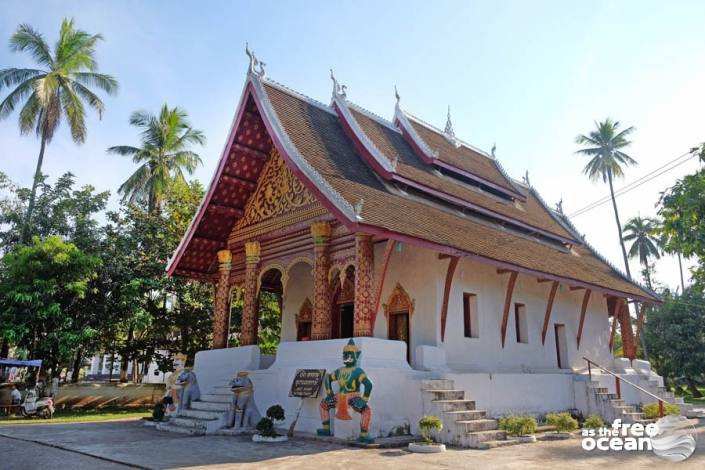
x: 428, y: 424
x: 563, y: 422
x: 265, y: 427
x: 593, y: 422
x: 518, y: 425
x: 651, y: 410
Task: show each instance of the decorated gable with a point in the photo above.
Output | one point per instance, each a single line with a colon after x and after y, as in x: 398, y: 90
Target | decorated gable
x: 280, y: 199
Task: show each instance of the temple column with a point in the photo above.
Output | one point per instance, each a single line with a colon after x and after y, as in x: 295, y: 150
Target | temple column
x: 364, y: 278
x: 321, y: 322
x: 248, y: 330
x: 221, y: 317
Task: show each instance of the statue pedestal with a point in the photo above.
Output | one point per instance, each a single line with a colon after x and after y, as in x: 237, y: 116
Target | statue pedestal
x: 346, y: 429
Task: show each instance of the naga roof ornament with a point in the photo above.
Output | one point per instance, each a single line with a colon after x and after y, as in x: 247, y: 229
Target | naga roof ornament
x: 338, y: 89
x: 256, y: 66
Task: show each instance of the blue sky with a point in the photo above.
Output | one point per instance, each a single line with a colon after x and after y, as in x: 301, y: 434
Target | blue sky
x: 526, y: 75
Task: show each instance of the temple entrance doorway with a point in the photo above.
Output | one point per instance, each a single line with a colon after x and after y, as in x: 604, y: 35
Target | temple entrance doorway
x: 343, y: 304
x: 399, y: 329
x: 398, y: 310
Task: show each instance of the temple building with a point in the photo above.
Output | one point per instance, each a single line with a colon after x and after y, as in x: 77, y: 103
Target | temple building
x: 449, y: 274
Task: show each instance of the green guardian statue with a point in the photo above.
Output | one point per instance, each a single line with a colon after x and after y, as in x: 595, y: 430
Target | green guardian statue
x: 350, y: 378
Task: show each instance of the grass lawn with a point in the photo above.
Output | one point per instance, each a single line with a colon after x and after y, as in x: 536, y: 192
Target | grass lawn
x: 688, y: 397
x: 81, y: 416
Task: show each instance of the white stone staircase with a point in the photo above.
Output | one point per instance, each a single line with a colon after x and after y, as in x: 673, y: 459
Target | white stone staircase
x: 609, y: 407
x: 205, y: 416
x: 463, y: 425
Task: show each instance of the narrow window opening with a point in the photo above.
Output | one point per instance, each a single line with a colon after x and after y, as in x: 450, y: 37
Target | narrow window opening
x: 470, y: 320
x: 520, y: 323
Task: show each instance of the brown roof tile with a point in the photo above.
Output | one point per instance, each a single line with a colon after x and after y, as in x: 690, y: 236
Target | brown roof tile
x: 392, y: 144
x: 320, y: 139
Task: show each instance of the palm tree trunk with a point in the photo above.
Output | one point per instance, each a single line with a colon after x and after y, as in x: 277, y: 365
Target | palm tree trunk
x: 680, y: 268
x: 619, y: 225
x: 33, y: 194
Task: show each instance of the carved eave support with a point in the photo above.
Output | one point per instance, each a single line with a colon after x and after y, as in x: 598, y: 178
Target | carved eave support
x: 549, y: 308
x: 452, y: 265
x: 583, y: 310
x: 508, y: 303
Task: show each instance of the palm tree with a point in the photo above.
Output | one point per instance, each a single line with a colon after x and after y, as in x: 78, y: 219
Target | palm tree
x: 59, y: 88
x: 641, y: 231
x: 604, y: 147
x: 163, y: 156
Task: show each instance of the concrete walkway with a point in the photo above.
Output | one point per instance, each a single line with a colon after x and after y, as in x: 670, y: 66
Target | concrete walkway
x: 130, y: 444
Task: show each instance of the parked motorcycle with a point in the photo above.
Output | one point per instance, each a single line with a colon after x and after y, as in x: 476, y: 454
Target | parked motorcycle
x: 35, y: 406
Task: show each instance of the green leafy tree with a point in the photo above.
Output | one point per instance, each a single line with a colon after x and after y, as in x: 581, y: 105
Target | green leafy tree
x: 641, y: 231
x: 59, y: 89
x: 61, y: 209
x: 163, y: 157
x: 682, y: 211
x: 675, y: 335
x: 41, y: 288
x: 605, y: 147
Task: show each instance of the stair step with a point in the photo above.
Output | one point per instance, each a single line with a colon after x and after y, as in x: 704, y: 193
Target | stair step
x: 188, y: 422
x: 476, y: 437
x: 217, y: 397
x: 466, y: 415
x: 455, y: 405
x: 209, y: 406
x: 447, y: 394
x: 475, y: 425
x: 201, y: 414
x: 500, y: 443
x: 168, y: 427
x: 442, y: 384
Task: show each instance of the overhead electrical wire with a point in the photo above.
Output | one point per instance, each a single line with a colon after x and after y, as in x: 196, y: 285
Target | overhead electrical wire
x: 668, y: 166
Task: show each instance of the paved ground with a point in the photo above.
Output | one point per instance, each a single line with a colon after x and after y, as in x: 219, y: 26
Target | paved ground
x: 130, y: 444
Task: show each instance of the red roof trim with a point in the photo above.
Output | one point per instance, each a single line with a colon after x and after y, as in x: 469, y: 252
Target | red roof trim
x: 178, y: 254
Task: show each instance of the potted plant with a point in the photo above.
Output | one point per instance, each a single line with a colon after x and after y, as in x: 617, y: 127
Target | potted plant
x: 522, y: 427
x: 563, y: 422
x: 427, y: 425
x: 266, y: 431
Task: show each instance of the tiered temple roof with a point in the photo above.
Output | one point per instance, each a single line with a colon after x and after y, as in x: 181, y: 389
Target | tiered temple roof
x: 402, y: 179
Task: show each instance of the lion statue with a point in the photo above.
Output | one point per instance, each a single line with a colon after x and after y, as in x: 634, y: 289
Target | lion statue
x: 243, y: 413
x: 181, y: 387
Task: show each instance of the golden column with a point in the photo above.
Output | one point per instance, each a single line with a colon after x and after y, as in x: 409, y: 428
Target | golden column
x: 248, y: 330
x: 221, y: 317
x: 321, y: 324
x: 364, y: 277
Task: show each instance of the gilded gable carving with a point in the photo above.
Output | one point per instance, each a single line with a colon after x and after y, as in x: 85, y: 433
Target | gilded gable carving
x: 278, y: 192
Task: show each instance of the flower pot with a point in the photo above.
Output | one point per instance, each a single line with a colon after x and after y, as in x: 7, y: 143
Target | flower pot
x: 423, y: 448
x: 260, y: 438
